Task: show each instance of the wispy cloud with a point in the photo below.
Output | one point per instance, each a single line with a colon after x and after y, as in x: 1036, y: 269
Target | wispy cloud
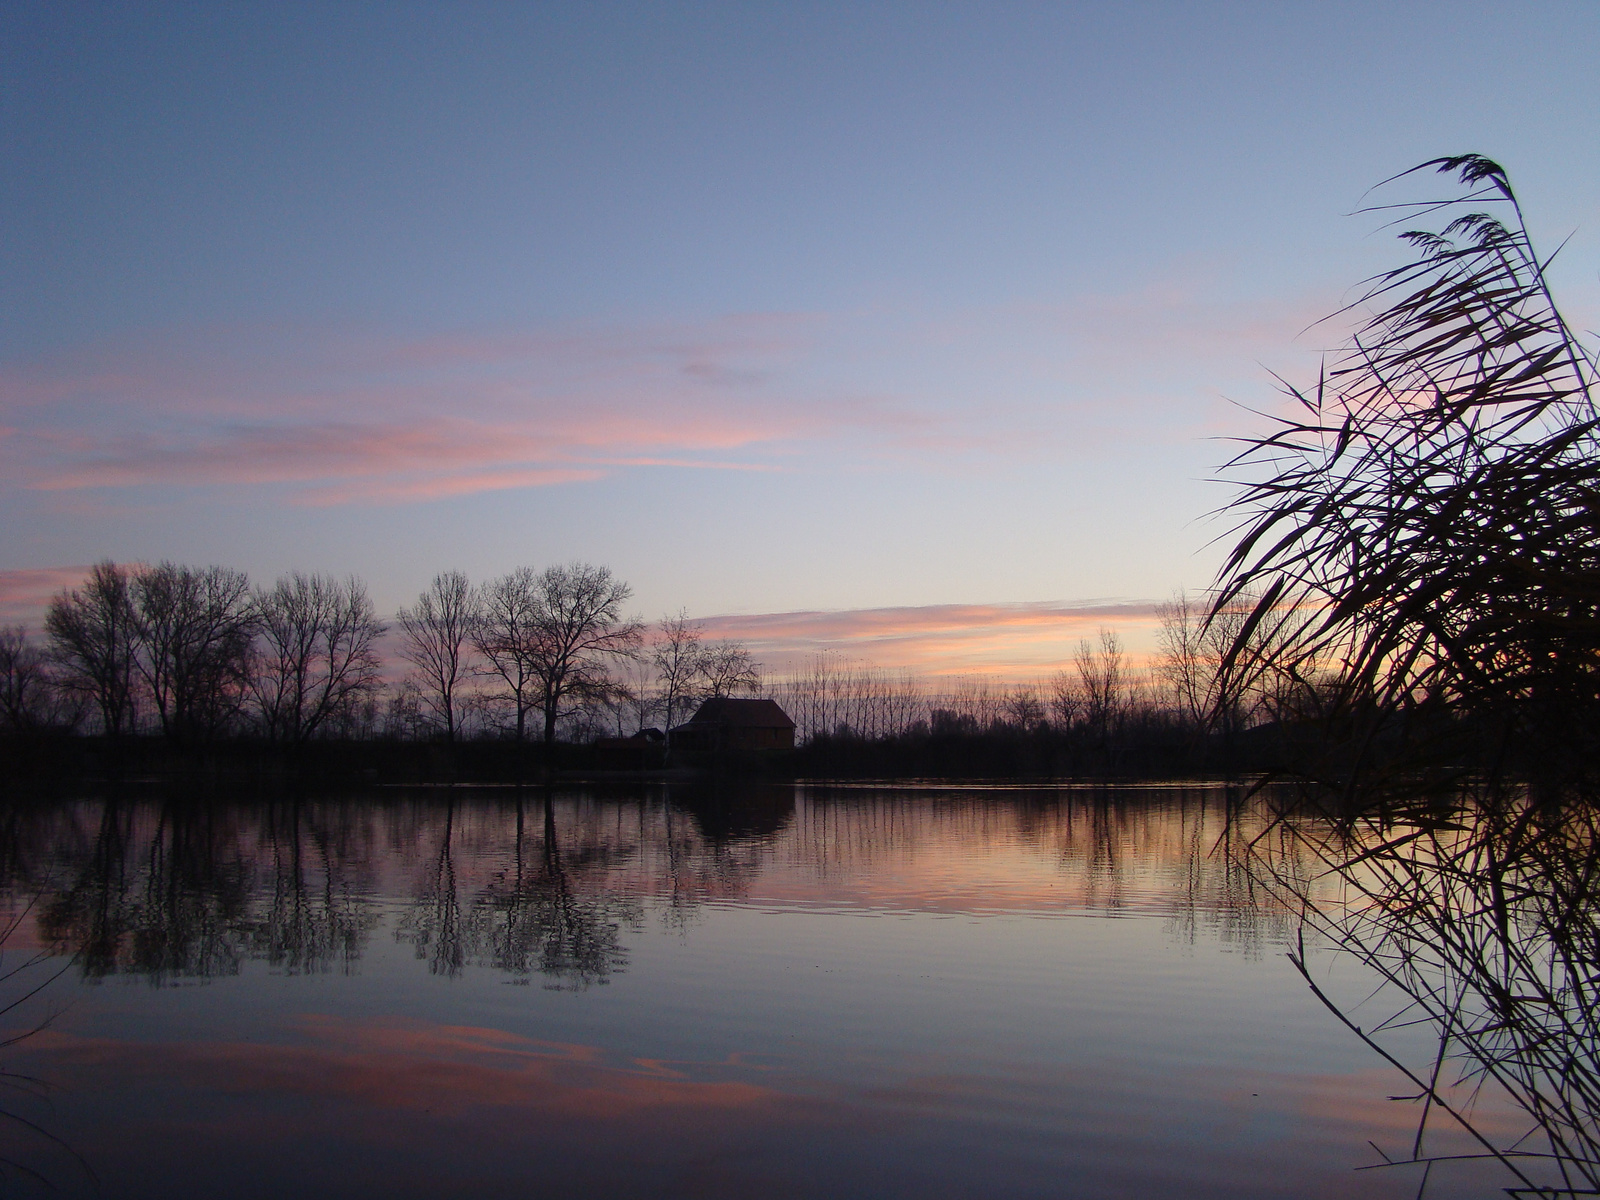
x: 352, y: 418
x: 1007, y: 640
x: 25, y: 593
x: 345, y: 416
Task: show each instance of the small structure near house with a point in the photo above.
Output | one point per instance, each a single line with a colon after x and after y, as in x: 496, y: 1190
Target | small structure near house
x: 640, y: 752
x: 723, y: 725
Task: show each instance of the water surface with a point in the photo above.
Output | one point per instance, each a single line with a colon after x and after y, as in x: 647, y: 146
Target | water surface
x: 796, y: 991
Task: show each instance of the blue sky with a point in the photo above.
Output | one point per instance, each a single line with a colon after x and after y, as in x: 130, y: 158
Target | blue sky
x: 768, y: 307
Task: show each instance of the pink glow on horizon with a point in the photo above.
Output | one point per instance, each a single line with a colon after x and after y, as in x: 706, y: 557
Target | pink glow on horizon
x: 1010, y: 641
x: 1007, y: 641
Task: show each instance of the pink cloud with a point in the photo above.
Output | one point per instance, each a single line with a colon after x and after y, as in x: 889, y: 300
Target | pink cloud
x: 1005, y: 640
x: 439, y: 487
x: 344, y: 416
x: 25, y: 593
x: 389, y: 420
x: 454, y: 456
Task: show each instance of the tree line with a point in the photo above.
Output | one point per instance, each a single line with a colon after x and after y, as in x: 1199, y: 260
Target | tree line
x: 194, y: 654
x: 1184, y: 706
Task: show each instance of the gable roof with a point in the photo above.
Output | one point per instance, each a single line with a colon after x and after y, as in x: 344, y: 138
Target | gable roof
x: 756, y: 714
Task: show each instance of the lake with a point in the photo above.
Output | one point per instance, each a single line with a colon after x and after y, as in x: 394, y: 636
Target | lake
x: 874, y: 991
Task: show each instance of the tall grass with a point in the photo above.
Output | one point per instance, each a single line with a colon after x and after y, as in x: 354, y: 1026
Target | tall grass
x: 1422, y: 536
x: 1423, y: 525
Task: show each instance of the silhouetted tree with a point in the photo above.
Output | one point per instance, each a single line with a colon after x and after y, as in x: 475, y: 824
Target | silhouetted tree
x: 1066, y: 699
x: 93, y: 635
x: 579, y: 626
x: 1023, y: 708
x: 29, y: 698
x: 726, y: 669
x: 194, y: 630
x: 633, y: 697
x: 437, y: 638
x: 315, y: 653
x: 508, y: 636
x: 1102, y: 674
x: 1221, y: 679
x: 675, y: 653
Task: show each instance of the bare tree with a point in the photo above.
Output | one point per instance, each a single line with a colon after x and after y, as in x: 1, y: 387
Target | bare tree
x: 316, y: 654
x: 508, y: 635
x: 1102, y: 675
x: 194, y: 630
x: 726, y: 669
x: 579, y: 626
x: 976, y: 698
x: 1023, y: 707
x: 832, y: 694
x: 29, y: 698
x: 437, y: 641
x: 1066, y: 699
x: 675, y: 652
x: 1186, y: 664
x: 93, y: 632
x: 634, y: 698
x: 403, y: 715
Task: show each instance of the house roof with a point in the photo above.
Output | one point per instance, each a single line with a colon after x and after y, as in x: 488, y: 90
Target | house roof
x: 748, y: 714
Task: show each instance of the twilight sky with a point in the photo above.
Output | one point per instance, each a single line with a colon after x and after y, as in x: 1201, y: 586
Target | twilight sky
x: 909, y: 317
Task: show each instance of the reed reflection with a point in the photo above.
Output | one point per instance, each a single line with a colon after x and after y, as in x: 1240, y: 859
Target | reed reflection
x: 1478, y: 914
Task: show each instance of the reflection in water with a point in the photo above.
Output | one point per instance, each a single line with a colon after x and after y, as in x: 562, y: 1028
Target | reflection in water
x: 542, y: 914
x: 1480, y: 917
x: 171, y: 891
x: 537, y: 884
x: 907, y: 978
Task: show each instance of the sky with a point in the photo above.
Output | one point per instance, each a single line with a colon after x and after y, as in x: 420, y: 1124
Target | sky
x: 913, y: 329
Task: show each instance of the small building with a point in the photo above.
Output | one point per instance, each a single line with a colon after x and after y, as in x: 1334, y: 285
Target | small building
x: 725, y: 725
x: 640, y: 752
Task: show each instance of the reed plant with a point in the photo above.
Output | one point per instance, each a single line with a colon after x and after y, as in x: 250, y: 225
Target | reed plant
x: 1420, y: 537
x: 1419, y: 533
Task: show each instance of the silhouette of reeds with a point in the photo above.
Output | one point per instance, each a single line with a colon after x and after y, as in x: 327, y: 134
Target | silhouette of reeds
x: 1426, y: 523
x: 1422, y: 544
x: 22, y: 978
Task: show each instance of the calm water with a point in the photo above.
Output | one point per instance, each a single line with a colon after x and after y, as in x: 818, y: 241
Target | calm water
x: 793, y: 992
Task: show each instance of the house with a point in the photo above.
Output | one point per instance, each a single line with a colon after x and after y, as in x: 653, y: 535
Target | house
x: 725, y: 725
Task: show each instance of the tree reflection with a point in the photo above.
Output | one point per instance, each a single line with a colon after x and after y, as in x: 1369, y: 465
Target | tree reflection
x: 176, y: 891
x: 547, y: 886
x: 166, y: 906
x: 433, y: 923
x: 315, y: 919
x: 1479, y: 916
x: 537, y: 916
